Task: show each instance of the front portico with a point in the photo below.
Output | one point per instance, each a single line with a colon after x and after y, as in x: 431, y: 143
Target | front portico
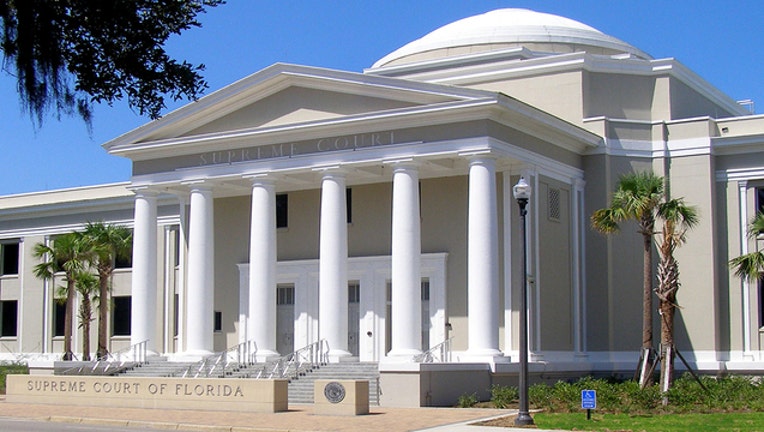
x: 399, y: 210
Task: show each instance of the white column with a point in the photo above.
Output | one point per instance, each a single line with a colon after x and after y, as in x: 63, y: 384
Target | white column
x: 332, y: 272
x: 144, y: 275
x: 201, y: 270
x: 261, y: 320
x: 406, y: 272
x: 482, y: 260
x: 746, y: 286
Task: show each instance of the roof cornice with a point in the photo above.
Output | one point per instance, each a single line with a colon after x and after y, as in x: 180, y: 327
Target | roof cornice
x: 494, y: 68
x: 280, y: 76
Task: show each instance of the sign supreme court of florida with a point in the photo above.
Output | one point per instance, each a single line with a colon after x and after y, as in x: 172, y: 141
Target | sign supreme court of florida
x: 215, y: 394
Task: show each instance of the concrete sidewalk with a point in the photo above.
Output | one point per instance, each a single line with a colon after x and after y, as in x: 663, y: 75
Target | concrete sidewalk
x: 299, y: 418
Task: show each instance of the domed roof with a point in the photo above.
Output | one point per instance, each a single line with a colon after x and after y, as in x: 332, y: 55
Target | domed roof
x: 504, y: 28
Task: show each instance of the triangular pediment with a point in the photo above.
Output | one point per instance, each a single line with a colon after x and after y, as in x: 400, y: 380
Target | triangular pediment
x: 282, y: 95
x: 298, y: 104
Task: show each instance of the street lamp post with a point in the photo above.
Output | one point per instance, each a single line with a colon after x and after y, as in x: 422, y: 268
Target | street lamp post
x: 522, y: 193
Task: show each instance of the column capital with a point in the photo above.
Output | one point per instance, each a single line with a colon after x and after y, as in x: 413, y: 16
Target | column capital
x: 260, y: 179
x: 335, y: 170
x: 199, y: 185
x: 144, y: 191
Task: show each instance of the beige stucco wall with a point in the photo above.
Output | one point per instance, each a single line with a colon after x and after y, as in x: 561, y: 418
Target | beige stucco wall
x: 618, y: 96
x: 564, y: 101
x: 614, y: 282
x: 554, y: 276
x: 693, y: 179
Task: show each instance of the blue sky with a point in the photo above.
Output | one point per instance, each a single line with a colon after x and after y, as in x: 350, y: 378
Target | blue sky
x: 721, y: 41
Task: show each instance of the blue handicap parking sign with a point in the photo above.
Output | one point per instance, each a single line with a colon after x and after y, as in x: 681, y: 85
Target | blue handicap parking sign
x: 588, y: 399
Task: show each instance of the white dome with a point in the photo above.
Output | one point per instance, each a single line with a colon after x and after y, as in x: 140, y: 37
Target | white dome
x: 503, y: 28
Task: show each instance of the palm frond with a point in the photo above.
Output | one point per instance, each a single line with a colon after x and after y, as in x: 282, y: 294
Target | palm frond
x: 749, y: 266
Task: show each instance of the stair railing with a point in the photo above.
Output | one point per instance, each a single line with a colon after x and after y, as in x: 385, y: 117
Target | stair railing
x: 134, y: 355
x: 244, y: 353
x: 440, y: 353
x: 296, y: 363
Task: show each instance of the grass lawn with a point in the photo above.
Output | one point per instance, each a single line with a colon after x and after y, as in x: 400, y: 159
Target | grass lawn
x: 727, y: 422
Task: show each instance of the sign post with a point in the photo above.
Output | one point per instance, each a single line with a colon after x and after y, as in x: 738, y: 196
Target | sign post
x: 588, y: 402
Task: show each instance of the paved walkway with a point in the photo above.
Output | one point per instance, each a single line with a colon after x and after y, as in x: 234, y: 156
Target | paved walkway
x: 299, y: 418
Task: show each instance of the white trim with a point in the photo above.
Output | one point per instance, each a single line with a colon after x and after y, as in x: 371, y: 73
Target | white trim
x: 740, y: 174
x: 746, y: 286
x: 509, y: 213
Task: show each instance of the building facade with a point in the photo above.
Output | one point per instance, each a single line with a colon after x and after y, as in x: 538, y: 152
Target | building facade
x: 374, y: 210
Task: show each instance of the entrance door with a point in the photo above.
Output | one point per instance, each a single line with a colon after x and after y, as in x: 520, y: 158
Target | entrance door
x: 354, y: 317
x: 285, y: 319
x: 425, y: 314
x: 425, y: 293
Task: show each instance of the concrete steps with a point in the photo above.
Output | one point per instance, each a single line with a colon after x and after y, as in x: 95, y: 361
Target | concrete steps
x: 301, y: 389
x: 158, y: 368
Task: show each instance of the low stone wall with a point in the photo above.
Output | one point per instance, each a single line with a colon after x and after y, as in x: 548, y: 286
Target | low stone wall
x: 173, y: 393
x: 341, y: 397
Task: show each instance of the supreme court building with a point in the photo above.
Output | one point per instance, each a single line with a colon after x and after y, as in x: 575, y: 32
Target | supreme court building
x: 374, y: 210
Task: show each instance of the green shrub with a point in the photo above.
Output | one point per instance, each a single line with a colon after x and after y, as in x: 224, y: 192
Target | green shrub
x: 467, y: 401
x: 503, y: 397
x: 11, y: 368
x: 686, y: 395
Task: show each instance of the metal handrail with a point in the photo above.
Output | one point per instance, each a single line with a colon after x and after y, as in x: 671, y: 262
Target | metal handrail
x: 440, y: 353
x: 244, y: 353
x: 304, y: 359
x: 135, y: 354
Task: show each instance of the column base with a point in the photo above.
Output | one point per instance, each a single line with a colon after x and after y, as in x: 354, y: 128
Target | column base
x: 262, y: 356
x: 491, y: 356
x: 338, y: 355
x: 401, y: 356
x: 194, y: 355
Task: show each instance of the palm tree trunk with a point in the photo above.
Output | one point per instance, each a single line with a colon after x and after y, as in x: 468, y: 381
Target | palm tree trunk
x: 85, y: 316
x: 667, y: 347
x: 103, y: 316
x: 668, y: 277
x: 69, y: 319
x: 645, y: 378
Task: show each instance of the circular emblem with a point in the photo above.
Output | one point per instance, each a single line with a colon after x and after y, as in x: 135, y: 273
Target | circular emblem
x: 334, y: 392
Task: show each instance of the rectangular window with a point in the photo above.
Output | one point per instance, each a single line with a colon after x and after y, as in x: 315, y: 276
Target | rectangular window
x: 9, y: 318
x: 349, y: 204
x: 120, y: 315
x: 176, y: 315
x: 176, y: 246
x: 125, y: 261
x: 354, y: 292
x: 425, y: 289
x: 282, y: 210
x: 59, y: 317
x: 10, y: 258
x: 285, y: 295
x: 218, y: 321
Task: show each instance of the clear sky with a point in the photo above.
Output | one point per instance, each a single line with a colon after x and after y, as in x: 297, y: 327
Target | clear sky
x: 722, y: 41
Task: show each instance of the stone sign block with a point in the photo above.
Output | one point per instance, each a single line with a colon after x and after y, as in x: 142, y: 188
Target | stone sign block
x: 213, y: 394
x: 341, y: 397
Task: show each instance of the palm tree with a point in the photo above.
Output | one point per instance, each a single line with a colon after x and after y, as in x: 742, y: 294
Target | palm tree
x: 87, y: 287
x: 107, y: 243
x: 67, y: 254
x: 751, y: 265
x: 637, y: 197
x: 677, y: 219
